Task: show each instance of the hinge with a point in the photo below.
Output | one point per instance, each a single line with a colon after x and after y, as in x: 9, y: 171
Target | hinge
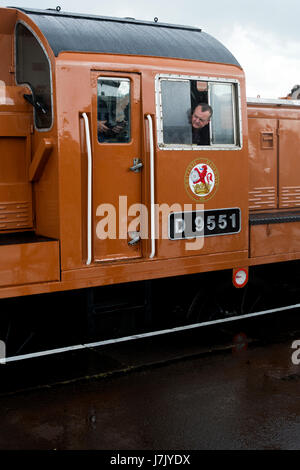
x: 12, y: 69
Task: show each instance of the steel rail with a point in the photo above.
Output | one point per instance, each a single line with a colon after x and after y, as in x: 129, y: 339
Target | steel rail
x: 143, y: 335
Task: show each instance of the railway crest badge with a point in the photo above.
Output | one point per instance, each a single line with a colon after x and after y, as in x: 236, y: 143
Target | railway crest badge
x: 201, y: 179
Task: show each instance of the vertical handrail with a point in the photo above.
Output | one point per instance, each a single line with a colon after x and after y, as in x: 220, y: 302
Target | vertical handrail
x: 89, y: 189
x: 152, y: 187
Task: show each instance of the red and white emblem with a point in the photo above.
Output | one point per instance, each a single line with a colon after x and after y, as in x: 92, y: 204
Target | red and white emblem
x: 201, y: 179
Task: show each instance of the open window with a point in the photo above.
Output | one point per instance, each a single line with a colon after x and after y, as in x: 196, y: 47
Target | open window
x: 33, y: 69
x: 198, y: 113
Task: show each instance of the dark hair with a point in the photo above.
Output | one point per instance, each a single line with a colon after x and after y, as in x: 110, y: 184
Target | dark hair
x: 204, y: 107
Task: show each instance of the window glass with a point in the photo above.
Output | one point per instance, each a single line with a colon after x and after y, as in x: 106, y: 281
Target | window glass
x: 114, y: 110
x: 197, y: 112
x: 176, y: 108
x: 221, y: 99
x: 33, y: 68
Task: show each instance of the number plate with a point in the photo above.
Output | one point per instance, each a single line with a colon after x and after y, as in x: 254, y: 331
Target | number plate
x: 204, y: 223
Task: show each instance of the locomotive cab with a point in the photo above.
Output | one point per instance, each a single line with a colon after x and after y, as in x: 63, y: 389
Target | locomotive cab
x: 125, y: 121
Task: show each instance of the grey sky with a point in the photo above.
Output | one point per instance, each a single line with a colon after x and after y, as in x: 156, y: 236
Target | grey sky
x: 262, y: 34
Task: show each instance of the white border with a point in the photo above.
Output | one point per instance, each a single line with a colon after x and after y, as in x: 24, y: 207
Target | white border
x: 159, y: 118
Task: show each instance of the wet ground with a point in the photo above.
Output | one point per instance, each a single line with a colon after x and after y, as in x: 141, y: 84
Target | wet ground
x: 238, y: 398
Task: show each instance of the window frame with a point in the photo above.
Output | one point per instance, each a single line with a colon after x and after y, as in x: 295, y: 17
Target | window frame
x: 237, y: 115
x: 39, y: 129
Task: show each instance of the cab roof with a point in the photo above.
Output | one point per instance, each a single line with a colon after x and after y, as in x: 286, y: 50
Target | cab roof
x: 88, y: 33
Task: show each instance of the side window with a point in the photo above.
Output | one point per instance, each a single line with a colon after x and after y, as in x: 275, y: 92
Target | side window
x: 33, y: 69
x: 176, y: 112
x: 114, y: 110
x: 197, y: 112
x: 223, y: 126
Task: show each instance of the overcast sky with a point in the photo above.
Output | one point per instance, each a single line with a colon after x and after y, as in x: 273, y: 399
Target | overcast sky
x: 263, y: 35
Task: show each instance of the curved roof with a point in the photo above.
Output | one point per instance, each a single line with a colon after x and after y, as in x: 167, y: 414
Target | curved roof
x: 82, y: 33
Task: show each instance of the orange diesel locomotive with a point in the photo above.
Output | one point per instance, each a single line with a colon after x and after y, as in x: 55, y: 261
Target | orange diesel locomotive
x: 103, y: 183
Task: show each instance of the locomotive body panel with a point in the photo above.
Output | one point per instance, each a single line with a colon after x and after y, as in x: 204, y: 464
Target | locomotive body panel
x: 274, y: 180
x: 28, y: 260
x: 114, y: 166
x: 263, y: 187
x: 289, y: 158
x: 278, y: 241
x: 15, y: 150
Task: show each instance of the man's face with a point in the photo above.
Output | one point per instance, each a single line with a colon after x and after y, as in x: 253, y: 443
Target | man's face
x: 200, y: 118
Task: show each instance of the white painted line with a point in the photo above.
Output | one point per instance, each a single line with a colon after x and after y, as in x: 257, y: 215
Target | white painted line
x: 143, y: 335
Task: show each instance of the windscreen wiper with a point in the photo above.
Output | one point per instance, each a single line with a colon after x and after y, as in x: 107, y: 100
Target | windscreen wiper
x: 35, y: 103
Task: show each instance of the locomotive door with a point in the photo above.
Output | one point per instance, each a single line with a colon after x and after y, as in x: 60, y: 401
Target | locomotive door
x: 289, y: 156
x: 117, y: 166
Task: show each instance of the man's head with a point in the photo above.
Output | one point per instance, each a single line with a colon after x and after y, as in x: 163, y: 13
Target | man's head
x: 201, y: 115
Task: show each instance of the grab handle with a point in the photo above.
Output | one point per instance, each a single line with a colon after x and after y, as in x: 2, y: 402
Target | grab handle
x: 152, y: 186
x: 89, y: 188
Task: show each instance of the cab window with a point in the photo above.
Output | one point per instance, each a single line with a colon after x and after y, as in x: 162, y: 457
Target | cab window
x: 114, y: 110
x: 222, y: 122
x: 198, y: 113
x: 33, y: 69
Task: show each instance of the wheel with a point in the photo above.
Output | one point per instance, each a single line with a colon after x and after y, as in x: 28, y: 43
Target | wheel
x: 225, y: 301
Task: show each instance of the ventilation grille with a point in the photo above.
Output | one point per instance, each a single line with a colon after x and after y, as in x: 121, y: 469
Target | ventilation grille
x: 262, y: 198
x: 15, y: 215
x: 290, y: 196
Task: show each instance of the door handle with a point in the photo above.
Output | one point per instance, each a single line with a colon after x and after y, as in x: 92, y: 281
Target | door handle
x: 135, y: 238
x: 137, y: 165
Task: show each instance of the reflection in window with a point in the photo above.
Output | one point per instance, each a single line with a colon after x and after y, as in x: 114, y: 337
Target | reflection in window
x: 114, y: 110
x: 197, y: 112
x: 221, y: 98
x: 176, y: 112
x: 32, y: 68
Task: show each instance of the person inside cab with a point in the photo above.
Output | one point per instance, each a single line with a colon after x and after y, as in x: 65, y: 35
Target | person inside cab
x: 113, y: 110
x: 200, y: 119
x: 108, y: 130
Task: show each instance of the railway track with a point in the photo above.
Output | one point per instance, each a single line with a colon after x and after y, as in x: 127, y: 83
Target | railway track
x: 167, y: 331
x: 127, y: 354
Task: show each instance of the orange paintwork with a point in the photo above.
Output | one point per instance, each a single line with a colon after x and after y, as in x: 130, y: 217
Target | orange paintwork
x: 275, y: 239
x: 273, y: 164
x: 112, y: 177
x: 48, y: 173
x: 27, y: 263
x: 15, y: 148
x: 274, y: 180
x: 170, y: 165
x: 289, y: 157
x: 263, y: 163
